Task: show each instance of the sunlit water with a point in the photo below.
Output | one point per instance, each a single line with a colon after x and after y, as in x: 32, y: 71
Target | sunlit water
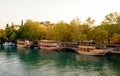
x: 26, y: 62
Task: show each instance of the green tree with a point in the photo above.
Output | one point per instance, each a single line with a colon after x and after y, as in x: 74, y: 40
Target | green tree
x: 86, y: 28
x: 49, y: 32
x: 116, y: 38
x: 98, y: 34
x: 61, y: 31
x: 10, y: 33
x: 111, y: 24
x: 2, y: 36
x: 111, y: 18
x: 74, y: 30
x: 111, y: 30
x: 32, y: 30
x: 89, y: 21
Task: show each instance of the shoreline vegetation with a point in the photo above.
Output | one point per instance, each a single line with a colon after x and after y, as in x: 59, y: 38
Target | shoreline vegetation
x: 108, y: 32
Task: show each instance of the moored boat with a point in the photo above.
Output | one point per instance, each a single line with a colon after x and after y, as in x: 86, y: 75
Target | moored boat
x: 9, y: 44
x: 90, y: 50
x: 23, y: 43
x: 49, y: 45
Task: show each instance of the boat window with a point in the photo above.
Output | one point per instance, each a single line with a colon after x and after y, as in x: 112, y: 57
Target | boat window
x: 85, y: 49
x: 88, y: 49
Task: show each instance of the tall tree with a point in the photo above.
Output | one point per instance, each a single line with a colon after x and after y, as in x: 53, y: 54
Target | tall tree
x: 10, y: 33
x: 61, y: 31
x: 99, y: 35
x: 89, y: 21
x: 111, y: 18
x: 75, y: 30
x: 111, y: 29
x: 49, y: 32
x: 86, y: 29
x: 32, y: 30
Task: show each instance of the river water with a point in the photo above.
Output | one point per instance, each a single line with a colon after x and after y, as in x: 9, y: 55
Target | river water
x: 36, y: 62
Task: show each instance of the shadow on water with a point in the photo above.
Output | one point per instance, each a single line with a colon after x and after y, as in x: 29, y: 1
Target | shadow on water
x: 68, y: 50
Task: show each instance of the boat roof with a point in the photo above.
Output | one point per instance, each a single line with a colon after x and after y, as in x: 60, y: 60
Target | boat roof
x: 86, y: 46
x: 48, y: 41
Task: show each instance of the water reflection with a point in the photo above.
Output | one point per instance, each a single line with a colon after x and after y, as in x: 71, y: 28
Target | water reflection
x: 36, y: 62
x: 97, y: 65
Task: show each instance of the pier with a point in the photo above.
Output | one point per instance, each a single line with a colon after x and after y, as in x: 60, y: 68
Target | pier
x: 70, y: 45
x: 110, y: 48
x: 73, y: 46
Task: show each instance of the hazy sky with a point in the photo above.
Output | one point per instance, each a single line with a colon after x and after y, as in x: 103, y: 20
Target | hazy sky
x: 55, y: 10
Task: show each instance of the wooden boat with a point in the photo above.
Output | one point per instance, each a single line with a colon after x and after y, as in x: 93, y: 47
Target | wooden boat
x: 23, y: 43
x: 90, y: 50
x: 49, y: 45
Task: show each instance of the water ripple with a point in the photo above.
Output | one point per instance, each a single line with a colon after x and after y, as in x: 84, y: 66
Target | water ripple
x: 36, y: 63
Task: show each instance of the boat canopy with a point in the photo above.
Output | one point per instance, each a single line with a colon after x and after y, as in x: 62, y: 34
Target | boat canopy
x: 91, y: 47
x: 47, y: 41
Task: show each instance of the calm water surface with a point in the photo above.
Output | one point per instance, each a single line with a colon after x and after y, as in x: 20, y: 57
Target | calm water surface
x: 26, y: 62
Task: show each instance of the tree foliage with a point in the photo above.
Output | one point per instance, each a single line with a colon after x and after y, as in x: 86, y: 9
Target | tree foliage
x: 49, y: 32
x: 112, y: 18
x: 31, y: 30
x: 10, y: 33
x: 2, y: 36
x: 112, y: 26
x: 99, y: 34
x: 61, y: 31
x: 75, y: 31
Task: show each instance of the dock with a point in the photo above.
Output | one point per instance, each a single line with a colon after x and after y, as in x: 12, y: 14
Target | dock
x: 70, y: 45
x: 74, y: 46
x: 114, y: 50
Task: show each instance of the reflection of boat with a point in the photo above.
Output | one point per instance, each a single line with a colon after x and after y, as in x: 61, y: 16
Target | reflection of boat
x: 23, y: 51
x: 90, y: 50
x: 49, y: 45
x: 23, y: 43
x: 87, y: 59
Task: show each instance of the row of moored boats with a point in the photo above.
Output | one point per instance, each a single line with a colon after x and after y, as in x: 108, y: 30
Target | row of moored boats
x: 54, y: 45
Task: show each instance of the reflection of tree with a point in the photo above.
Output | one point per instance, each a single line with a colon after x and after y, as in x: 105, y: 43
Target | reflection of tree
x: 113, y: 66
x: 91, y: 64
x: 66, y: 59
x: 105, y: 66
x: 27, y: 55
x: 10, y: 50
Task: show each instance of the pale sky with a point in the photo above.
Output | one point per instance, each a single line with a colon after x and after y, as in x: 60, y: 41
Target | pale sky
x: 55, y: 10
